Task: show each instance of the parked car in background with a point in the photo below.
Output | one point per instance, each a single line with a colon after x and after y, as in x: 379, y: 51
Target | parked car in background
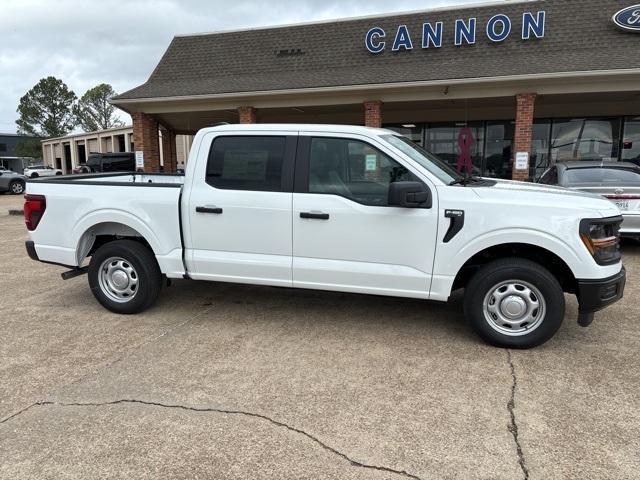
x: 35, y: 171
x: 12, y: 182
x: 617, y: 181
x: 82, y: 168
x: 110, y: 162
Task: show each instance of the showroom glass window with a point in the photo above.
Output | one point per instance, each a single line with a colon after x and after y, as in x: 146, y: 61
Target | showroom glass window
x: 540, y: 144
x: 443, y: 139
x: 498, y: 159
x: 631, y: 140
x: 246, y: 163
x: 585, y: 139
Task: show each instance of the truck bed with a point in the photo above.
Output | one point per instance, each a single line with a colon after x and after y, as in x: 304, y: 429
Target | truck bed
x: 81, y: 207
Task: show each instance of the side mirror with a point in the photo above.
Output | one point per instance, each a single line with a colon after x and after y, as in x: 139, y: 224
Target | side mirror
x: 409, y: 195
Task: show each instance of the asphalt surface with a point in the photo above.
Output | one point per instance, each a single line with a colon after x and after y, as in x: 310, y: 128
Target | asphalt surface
x: 236, y: 382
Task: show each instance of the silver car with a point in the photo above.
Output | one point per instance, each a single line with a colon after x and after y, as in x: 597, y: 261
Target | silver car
x: 12, y: 182
x: 617, y: 181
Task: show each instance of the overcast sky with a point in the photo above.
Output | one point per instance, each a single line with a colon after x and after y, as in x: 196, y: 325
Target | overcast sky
x: 87, y: 42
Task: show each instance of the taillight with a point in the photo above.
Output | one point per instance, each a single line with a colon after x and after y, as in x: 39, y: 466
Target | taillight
x: 34, y: 207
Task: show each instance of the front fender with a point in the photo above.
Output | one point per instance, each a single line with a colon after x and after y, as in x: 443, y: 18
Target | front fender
x: 575, y: 260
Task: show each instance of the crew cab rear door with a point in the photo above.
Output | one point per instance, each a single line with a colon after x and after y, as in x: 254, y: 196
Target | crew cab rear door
x: 239, y: 208
x: 345, y: 235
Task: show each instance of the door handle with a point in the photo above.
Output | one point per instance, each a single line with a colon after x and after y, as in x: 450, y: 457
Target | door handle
x: 315, y: 216
x: 212, y: 209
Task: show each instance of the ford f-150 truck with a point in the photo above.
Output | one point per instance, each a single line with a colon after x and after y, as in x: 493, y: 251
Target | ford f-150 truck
x: 344, y: 208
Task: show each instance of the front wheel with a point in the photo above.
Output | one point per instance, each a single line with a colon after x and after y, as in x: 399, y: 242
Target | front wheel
x: 514, y: 303
x: 124, y: 276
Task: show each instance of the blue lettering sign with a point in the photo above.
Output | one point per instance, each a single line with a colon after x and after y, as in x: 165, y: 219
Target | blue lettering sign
x: 531, y: 25
x: 468, y: 31
x: 403, y: 39
x: 373, y: 40
x: 430, y: 36
x: 498, y: 28
x: 628, y: 18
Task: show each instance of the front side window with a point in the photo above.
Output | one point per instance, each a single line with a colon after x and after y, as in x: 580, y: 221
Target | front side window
x: 246, y: 163
x: 428, y: 160
x: 354, y: 170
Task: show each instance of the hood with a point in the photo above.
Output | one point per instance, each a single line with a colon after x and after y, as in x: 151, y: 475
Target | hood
x: 514, y: 186
x: 547, y: 195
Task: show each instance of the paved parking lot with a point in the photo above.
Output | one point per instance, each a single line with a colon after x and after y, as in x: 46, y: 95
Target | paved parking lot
x: 237, y: 382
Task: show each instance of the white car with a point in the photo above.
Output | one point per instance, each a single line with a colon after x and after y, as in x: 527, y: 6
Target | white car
x: 342, y: 208
x: 35, y: 171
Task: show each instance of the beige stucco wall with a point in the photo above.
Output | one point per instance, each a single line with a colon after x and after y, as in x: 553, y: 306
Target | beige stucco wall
x: 104, y: 141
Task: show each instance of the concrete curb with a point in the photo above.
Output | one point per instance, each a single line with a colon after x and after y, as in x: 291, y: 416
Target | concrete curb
x: 16, y: 211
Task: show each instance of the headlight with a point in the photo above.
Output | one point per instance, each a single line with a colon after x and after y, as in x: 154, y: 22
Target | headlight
x: 602, y: 239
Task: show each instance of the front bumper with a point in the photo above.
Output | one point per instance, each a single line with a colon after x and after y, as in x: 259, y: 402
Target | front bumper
x: 594, y: 295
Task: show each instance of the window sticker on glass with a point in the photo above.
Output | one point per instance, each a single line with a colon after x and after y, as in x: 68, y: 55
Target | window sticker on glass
x: 371, y: 162
x: 245, y: 165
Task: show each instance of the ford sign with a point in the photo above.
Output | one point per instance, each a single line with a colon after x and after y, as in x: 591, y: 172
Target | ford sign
x: 628, y: 18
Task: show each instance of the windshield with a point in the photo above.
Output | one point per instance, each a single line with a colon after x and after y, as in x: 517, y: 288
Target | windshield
x: 428, y: 160
x: 601, y: 175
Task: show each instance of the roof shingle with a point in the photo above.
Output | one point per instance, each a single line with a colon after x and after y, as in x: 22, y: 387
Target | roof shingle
x: 580, y: 36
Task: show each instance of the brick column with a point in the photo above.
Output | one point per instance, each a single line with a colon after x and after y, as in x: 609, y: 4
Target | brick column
x: 145, y: 138
x: 247, y: 114
x: 523, y: 131
x: 373, y: 113
x: 169, y: 153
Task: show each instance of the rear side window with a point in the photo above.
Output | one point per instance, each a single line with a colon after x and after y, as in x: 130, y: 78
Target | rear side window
x: 246, y: 163
x: 602, y: 175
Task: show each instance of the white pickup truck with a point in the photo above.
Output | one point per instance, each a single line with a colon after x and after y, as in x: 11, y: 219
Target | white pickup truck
x: 343, y: 208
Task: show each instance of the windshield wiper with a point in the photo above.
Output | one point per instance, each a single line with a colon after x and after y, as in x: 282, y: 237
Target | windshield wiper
x: 466, y: 180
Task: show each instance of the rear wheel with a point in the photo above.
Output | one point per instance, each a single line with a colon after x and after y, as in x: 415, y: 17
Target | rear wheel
x: 514, y: 303
x: 17, y: 187
x: 124, y: 276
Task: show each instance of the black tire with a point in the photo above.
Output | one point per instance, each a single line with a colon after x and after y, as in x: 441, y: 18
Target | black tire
x: 146, y: 274
x: 58, y: 173
x: 491, y: 327
x: 16, y: 187
x: 34, y: 175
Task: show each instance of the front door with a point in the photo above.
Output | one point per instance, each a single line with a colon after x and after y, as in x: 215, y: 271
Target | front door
x: 345, y: 235
x: 240, y: 209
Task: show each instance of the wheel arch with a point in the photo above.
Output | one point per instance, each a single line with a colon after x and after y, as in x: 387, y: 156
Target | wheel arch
x: 540, y: 255
x: 96, y: 230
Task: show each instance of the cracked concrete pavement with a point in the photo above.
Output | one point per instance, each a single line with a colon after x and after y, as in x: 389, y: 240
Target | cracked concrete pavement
x: 229, y: 381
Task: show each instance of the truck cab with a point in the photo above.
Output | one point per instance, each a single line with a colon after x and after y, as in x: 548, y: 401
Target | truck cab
x: 338, y: 208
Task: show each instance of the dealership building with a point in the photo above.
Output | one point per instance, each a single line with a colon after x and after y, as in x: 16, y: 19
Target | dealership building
x: 539, y: 81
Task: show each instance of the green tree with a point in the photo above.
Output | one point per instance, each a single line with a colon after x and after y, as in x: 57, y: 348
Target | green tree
x: 29, y: 147
x: 47, y: 109
x: 94, y: 112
